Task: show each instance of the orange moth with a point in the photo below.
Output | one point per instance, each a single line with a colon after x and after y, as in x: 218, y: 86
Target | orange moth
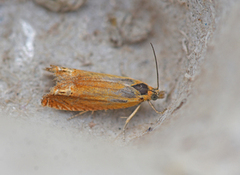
x: 79, y: 90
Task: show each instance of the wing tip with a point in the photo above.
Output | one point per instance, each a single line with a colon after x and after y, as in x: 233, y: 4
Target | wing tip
x: 52, y: 68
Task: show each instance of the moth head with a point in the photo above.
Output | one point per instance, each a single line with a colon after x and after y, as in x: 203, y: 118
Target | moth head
x: 156, y: 94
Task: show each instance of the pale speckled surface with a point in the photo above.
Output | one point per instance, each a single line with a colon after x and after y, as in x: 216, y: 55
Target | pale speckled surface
x: 200, y: 137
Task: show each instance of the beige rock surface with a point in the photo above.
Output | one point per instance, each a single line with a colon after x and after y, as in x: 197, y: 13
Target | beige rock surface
x: 197, y: 46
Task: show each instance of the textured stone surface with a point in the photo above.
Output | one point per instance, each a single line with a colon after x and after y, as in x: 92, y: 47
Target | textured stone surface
x: 197, y: 48
x: 61, y: 5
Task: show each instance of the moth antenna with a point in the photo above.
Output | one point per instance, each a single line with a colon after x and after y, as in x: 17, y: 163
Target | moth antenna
x: 156, y: 66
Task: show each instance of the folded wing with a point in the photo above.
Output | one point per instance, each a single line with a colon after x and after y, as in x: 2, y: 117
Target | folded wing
x: 79, y: 90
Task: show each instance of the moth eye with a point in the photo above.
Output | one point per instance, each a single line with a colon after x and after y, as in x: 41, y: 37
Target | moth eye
x: 154, y: 97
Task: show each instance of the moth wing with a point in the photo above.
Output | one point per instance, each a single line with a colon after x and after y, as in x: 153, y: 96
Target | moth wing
x: 79, y: 90
x: 77, y: 104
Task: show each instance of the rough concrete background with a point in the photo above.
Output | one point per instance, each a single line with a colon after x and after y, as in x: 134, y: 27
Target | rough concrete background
x: 197, y: 48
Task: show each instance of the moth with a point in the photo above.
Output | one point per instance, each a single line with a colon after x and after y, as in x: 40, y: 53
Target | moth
x: 80, y: 90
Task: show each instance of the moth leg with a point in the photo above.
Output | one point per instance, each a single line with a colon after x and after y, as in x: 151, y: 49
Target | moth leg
x: 129, y: 118
x: 77, y: 115
x: 93, y: 117
x: 122, y: 71
x: 158, y: 112
x: 123, y: 117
